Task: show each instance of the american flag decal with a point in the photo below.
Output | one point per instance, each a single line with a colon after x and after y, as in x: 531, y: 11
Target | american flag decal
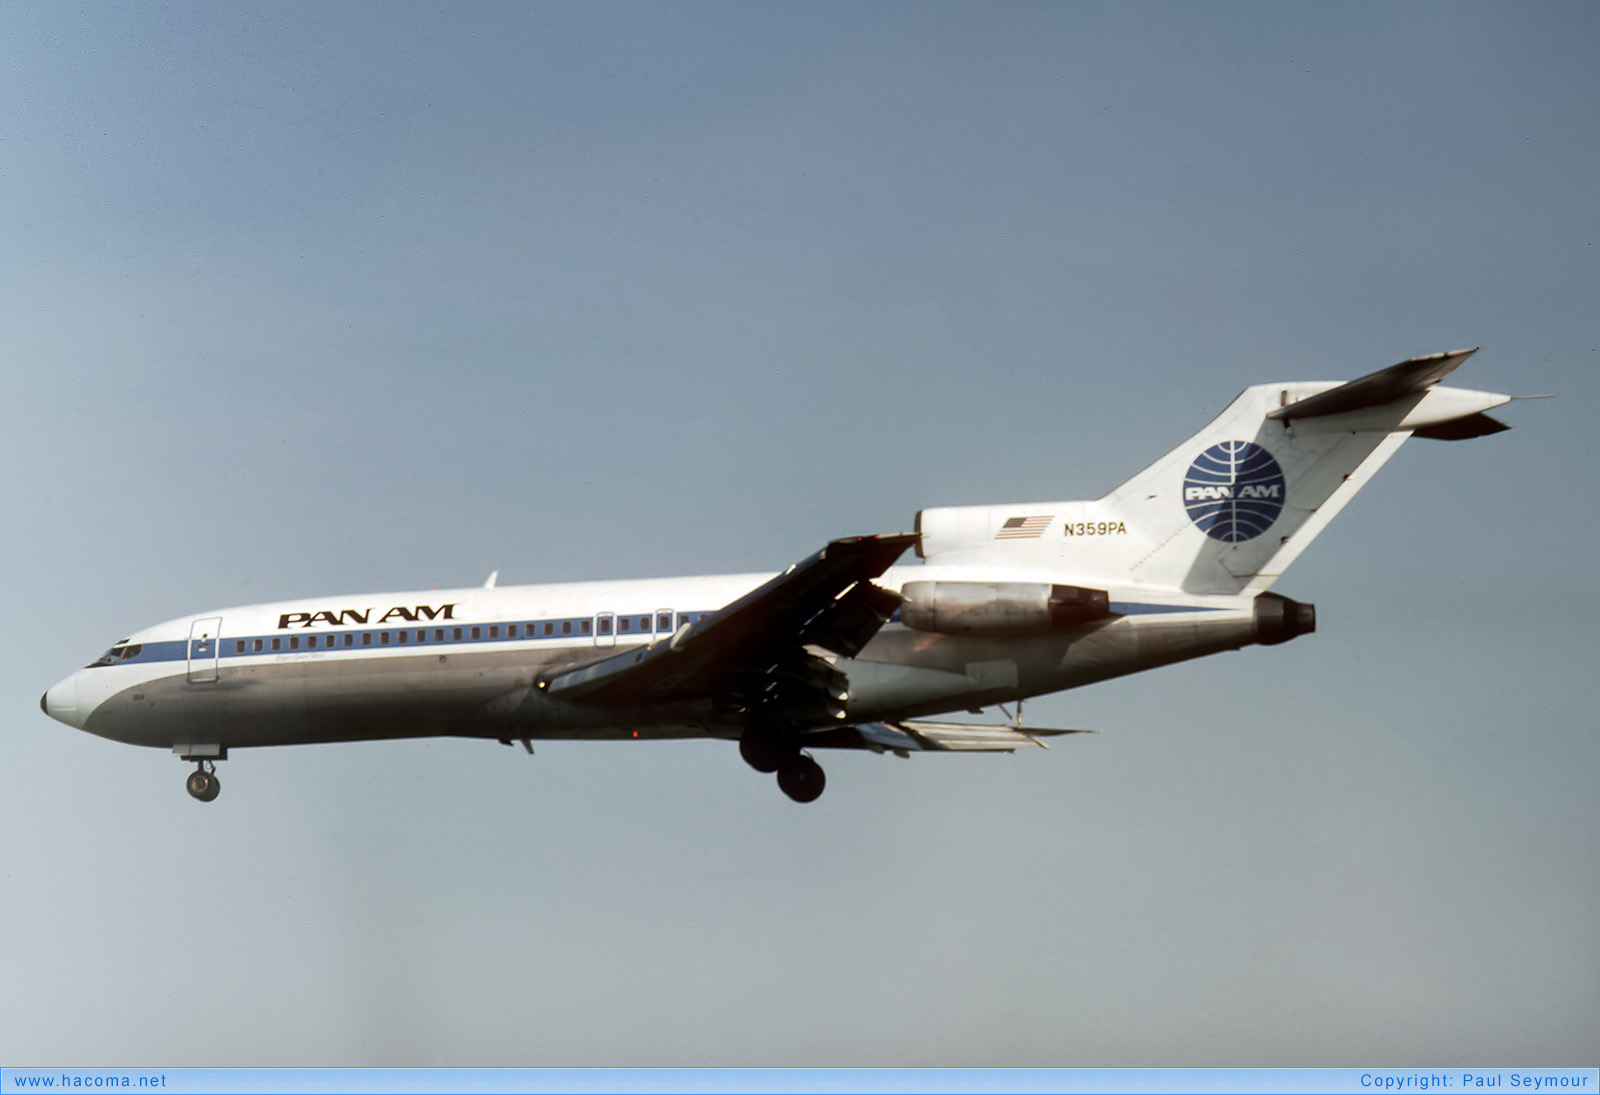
x: 1024, y: 528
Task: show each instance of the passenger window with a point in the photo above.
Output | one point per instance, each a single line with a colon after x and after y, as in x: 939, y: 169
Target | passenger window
x: 511, y: 631
x: 477, y: 633
x: 277, y: 644
x: 238, y: 647
x: 624, y: 625
x: 605, y: 625
x: 258, y: 646
x: 422, y: 634
x: 349, y: 639
x: 403, y: 636
x: 438, y: 634
x: 566, y: 627
x: 494, y: 631
x: 366, y: 638
x: 455, y: 633
x: 549, y: 628
x: 583, y: 626
x: 664, y: 622
x: 294, y: 642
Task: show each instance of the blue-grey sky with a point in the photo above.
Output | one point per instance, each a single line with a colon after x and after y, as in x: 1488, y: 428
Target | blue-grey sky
x: 308, y: 299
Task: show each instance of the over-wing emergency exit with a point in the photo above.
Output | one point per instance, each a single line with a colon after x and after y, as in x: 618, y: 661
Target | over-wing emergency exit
x: 847, y: 649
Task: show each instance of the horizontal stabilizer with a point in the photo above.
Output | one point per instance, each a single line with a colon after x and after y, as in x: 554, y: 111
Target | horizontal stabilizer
x: 1462, y: 429
x: 1384, y: 386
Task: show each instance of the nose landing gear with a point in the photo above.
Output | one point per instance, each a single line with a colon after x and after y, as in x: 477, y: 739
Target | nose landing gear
x: 203, y: 783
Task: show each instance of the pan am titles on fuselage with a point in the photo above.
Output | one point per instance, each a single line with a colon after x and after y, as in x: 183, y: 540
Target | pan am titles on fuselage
x: 851, y: 648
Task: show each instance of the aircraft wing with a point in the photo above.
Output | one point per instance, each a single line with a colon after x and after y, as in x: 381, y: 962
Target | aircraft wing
x: 754, y: 647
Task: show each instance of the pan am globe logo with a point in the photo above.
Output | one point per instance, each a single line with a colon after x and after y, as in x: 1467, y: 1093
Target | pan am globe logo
x: 1234, y: 491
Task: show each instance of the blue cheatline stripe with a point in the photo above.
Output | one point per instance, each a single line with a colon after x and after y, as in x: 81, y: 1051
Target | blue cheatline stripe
x: 1128, y: 608
x: 388, y: 638
x: 461, y: 634
x: 1140, y: 608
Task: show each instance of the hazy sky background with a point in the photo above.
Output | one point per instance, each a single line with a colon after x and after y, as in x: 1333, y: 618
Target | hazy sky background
x: 307, y: 299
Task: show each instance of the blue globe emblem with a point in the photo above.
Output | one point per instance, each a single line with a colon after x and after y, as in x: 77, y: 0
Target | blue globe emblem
x: 1234, y: 491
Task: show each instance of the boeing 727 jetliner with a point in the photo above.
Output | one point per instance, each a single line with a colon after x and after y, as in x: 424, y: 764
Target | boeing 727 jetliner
x: 844, y: 650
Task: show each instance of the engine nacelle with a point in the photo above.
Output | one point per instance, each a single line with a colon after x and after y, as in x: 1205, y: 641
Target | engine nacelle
x: 999, y: 608
x: 1279, y: 619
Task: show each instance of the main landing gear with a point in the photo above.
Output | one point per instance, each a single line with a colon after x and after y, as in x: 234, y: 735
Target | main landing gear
x: 203, y: 783
x: 802, y: 779
x: 799, y: 777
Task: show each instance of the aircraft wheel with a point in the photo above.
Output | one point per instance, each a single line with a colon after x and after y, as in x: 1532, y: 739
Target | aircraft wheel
x: 203, y: 785
x: 802, y: 779
x: 762, y: 752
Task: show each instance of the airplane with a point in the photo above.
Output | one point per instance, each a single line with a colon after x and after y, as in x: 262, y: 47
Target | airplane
x: 843, y: 650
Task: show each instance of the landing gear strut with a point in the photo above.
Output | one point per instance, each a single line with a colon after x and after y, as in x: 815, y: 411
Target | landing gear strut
x: 203, y: 783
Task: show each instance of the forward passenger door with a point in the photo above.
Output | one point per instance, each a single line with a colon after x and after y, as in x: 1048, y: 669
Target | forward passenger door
x: 204, y: 649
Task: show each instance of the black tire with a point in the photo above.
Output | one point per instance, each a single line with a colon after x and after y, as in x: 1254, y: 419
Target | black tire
x: 802, y: 779
x: 203, y: 785
x: 763, y: 752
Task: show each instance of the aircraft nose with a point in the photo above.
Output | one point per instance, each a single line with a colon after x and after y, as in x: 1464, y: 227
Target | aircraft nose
x: 61, y: 703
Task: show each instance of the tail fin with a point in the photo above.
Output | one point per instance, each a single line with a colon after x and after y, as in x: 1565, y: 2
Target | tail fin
x: 1229, y: 509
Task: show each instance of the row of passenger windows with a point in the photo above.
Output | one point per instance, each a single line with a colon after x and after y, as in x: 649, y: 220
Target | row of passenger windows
x: 602, y: 625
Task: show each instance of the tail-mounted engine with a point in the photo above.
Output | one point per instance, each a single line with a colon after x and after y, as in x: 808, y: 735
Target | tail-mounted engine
x: 1000, y: 608
x: 1278, y: 619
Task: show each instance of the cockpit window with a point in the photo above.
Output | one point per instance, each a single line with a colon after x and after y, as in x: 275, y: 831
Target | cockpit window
x: 116, y: 654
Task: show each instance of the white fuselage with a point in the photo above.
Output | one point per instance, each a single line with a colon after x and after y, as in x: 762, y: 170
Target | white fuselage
x: 467, y: 662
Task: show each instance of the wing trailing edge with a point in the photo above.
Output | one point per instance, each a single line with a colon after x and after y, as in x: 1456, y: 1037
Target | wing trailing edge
x: 906, y: 736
